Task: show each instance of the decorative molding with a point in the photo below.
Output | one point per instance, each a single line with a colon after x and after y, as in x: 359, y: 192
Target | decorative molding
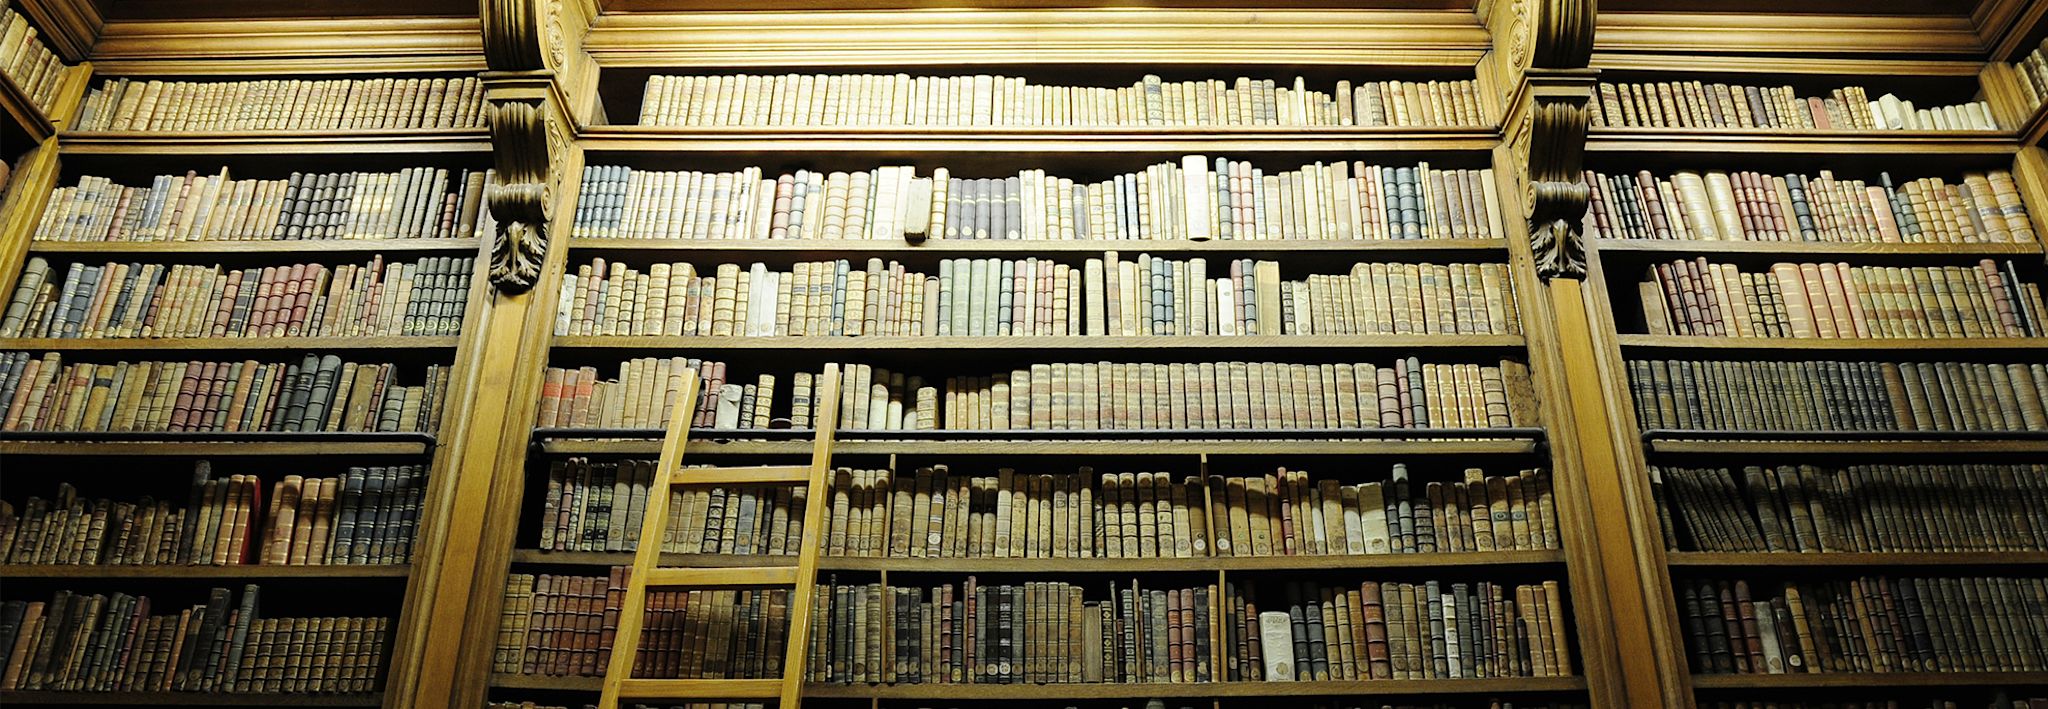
x: 523, y: 35
x: 1788, y: 34
x: 1091, y: 35
x: 1554, y: 34
x: 296, y: 46
x: 1549, y: 143
x: 521, y: 199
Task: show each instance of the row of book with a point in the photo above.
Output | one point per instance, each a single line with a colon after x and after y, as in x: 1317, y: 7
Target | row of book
x: 283, y: 104
x: 148, y: 300
x: 1868, y: 624
x: 599, y: 506
x: 2033, y: 72
x: 1829, y: 300
x: 714, y: 634
x: 1753, y: 206
x: 362, y: 516
x: 413, y: 203
x: 1077, y: 396
x: 1999, y: 701
x: 1692, y: 104
x: 1053, y: 633
x: 561, y: 625
x: 113, y: 643
x: 1153, y: 704
x: 318, y: 393
x: 1839, y: 396
x: 1859, y: 508
x: 1195, y: 199
x: 26, y: 61
x: 935, y: 513
x: 1111, y: 295
x: 987, y: 100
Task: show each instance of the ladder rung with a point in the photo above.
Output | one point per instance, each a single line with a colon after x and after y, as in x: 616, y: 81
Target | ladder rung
x: 719, y: 577
x: 796, y: 474
x: 700, y: 689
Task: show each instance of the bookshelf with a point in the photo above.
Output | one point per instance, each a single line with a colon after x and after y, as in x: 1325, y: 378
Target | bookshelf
x: 1669, y: 570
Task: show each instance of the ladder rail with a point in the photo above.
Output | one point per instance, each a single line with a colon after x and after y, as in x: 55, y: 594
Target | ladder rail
x: 647, y: 557
x: 825, y: 422
x: 647, y: 551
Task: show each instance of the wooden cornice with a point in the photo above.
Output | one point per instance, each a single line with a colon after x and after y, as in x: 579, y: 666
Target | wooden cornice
x: 1787, y: 35
x: 282, y: 47
x: 71, y: 26
x: 1693, y: 64
x: 1145, y: 36
x: 2005, y: 25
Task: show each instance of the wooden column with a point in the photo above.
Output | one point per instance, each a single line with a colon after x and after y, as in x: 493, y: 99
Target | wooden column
x: 1541, y: 52
x: 531, y: 94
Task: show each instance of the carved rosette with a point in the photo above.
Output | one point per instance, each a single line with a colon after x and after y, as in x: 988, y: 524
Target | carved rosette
x: 522, y: 197
x: 1557, y: 189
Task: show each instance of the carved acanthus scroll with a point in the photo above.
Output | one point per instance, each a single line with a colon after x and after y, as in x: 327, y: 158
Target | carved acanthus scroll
x: 522, y: 196
x: 1550, y: 45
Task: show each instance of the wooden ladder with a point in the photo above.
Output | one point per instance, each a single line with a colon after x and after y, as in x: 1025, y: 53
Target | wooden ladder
x: 802, y: 577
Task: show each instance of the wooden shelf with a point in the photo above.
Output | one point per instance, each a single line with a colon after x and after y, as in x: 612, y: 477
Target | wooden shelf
x: 1112, y: 140
x: 1072, y: 566
x: 1363, y: 442
x: 204, y: 699
x: 15, y: 102
x: 812, y: 248
x: 1679, y: 248
x: 165, y: 571
x: 1799, y: 142
x: 1196, y: 690
x: 1797, y: 344
x: 1044, y: 344
x: 1869, y: 679
x: 222, y: 344
x: 975, y: 692
x: 273, y: 143
x: 259, y: 443
x: 2036, y: 127
x: 1872, y: 443
x: 267, y: 246
x: 1707, y: 559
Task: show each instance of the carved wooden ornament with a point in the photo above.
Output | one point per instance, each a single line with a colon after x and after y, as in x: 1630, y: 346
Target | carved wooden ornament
x: 521, y: 197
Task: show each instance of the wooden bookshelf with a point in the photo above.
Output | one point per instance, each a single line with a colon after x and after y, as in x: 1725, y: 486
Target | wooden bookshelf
x: 1400, y: 249
x: 1793, y: 347
x: 967, y: 692
x: 1678, y: 248
x: 268, y: 247
x: 1870, y: 559
x: 240, y: 572
x: 1687, y: 141
x: 1039, y: 344
x: 1354, y: 562
x: 23, y: 112
x: 650, y: 140
x: 191, y: 699
x: 221, y: 344
x: 1842, y: 680
x: 266, y: 143
x: 1394, y: 442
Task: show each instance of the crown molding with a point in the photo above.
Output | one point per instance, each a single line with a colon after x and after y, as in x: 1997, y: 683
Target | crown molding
x: 2004, y: 26
x: 71, y: 26
x: 1694, y: 64
x: 1144, y: 36
x: 390, y: 45
x: 1787, y: 35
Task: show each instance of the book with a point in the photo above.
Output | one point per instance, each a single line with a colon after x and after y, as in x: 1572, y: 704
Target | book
x: 1838, y: 395
x: 1808, y: 508
x: 1227, y: 200
x: 1473, y: 513
x: 597, y: 506
x: 412, y: 203
x: 1989, y: 300
x: 146, y: 300
x: 46, y: 394
x: 1752, y: 206
x: 111, y: 642
x: 371, y: 511
x: 1716, y: 105
x: 1049, y: 298
x: 559, y: 625
x: 1389, y: 630
x: 1874, y: 624
x: 387, y: 103
x: 26, y: 59
x: 834, y: 100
